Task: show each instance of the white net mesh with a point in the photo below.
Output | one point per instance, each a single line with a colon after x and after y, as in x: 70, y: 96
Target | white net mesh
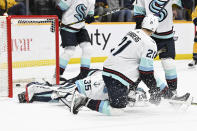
x: 3, y: 58
x: 34, y: 43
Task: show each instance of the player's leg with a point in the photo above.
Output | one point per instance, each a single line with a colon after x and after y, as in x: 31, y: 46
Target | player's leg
x: 118, y: 96
x: 102, y: 106
x: 170, y: 73
x: 117, y: 92
x: 194, y: 61
x: 32, y: 89
x: 65, y: 57
x: 168, y: 62
x: 43, y: 92
x: 84, y: 40
x: 169, y: 94
x: 69, y: 41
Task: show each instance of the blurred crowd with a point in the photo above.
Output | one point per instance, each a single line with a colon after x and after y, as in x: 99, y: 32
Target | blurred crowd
x: 47, y: 7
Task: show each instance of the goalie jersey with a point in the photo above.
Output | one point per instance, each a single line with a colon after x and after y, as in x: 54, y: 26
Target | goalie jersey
x: 76, y: 10
x: 162, y: 8
x: 134, y: 54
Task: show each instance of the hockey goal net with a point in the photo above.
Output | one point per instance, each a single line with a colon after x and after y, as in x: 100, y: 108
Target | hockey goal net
x: 29, y: 49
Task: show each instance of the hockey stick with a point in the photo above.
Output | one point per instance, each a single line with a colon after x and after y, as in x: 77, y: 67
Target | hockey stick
x: 195, y: 104
x: 97, y: 16
x: 64, y: 101
x: 25, y: 80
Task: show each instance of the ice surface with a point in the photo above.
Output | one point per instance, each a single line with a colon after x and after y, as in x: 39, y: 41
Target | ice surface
x: 56, y: 117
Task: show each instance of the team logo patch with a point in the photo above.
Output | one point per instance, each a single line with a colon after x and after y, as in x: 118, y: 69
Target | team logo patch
x: 156, y: 6
x: 81, y: 12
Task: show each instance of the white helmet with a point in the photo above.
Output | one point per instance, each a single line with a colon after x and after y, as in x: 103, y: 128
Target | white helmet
x: 150, y: 22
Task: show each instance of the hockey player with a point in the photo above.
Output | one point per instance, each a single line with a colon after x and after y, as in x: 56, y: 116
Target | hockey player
x: 130, y: 61
x: 164, y: 33
x: 75, y: 34
x: 194, y: 61
x: 107, y: 91
x: 92, y: 86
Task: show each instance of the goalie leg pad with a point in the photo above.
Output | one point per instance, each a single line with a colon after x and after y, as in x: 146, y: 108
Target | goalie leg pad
x: 35, y: 88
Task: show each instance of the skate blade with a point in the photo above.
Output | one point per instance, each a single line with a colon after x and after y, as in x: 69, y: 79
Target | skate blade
x: 192, y: 67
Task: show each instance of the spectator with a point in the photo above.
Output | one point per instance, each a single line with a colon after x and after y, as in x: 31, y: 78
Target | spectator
x: 125, y: 14
x: 42, y: 7
x: 177, y: 12
x: 188, y: 14
x: 113, y: 4
x: 101, y: 7
x: 193, y: 63
x: 164, y: 34
x: 11, y: 7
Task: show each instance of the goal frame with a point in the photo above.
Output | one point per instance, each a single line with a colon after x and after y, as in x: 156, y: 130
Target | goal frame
x: 9, y: 44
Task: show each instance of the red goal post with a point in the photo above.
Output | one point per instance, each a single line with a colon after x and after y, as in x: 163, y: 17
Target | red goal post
x: 27, y: 41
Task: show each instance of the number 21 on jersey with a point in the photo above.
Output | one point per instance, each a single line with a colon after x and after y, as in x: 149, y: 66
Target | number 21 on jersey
x: 151, y: 54
x: 121, y: 46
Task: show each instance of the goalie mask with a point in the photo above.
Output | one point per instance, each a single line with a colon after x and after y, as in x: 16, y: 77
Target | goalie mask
x: 150, y: 22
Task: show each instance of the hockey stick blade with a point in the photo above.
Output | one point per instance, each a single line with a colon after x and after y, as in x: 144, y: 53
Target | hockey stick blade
x: 195, y: 104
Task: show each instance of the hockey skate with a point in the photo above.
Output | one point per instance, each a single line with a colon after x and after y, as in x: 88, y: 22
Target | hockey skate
x: 62, y: 80
x: 192, y: 64
x: 25, y: 97
x: 83, y: 73
x: 181, y: 102
x: 78, y: 101
x: 21, y: 98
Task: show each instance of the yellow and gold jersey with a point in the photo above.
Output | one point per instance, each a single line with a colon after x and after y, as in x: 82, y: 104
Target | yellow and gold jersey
x: 194, y: 13
x: 10, y: 3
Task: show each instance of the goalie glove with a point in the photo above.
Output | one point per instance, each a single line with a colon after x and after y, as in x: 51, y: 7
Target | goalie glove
x: 155, y: 96
x: 89, y: 19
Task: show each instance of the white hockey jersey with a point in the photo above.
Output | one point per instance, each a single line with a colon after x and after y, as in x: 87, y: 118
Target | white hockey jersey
x: 93, y: 86
x: 76, y: 10
x: 136, y: 52
x: 165, y: 28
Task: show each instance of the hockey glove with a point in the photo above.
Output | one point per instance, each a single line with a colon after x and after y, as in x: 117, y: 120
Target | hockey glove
x: 89, y: 19
x: 195, y: 21
x: 155, y: 96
